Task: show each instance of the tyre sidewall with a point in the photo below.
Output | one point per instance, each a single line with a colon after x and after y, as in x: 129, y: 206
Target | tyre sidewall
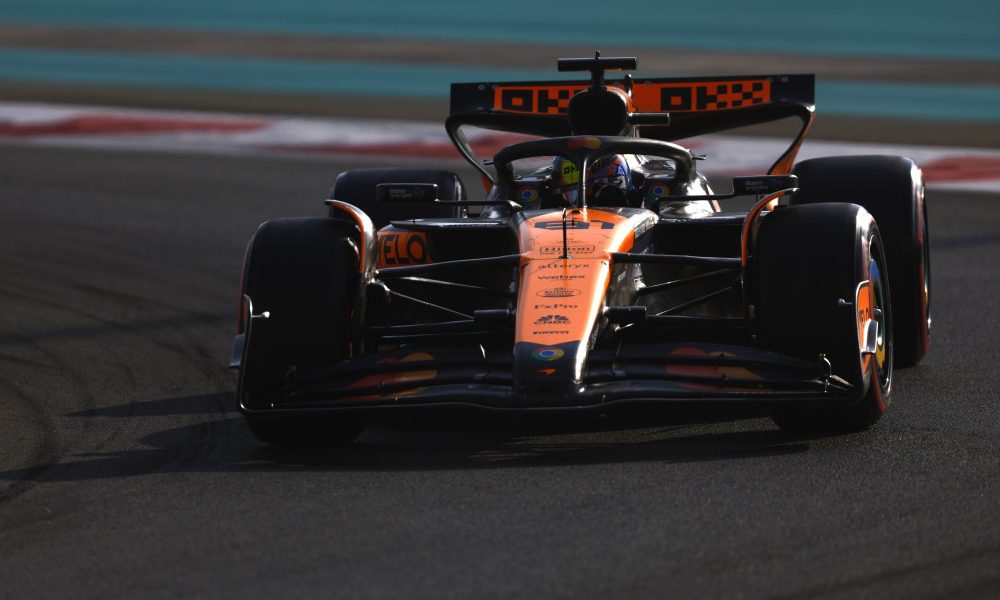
x: 808, y: 264
x: 891, y: 188
x: 303, y: 272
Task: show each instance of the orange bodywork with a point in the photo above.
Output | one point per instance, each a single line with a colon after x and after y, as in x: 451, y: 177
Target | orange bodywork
x: 381, y: 379
x: 701, y: 96
x: 709, y: 371
x: 690, y: 96
x: 787, y: 160
x: 561, y: 298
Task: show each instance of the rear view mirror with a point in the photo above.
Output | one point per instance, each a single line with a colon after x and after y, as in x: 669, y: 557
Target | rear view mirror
x: 406, y: 192
x: 763, y: 184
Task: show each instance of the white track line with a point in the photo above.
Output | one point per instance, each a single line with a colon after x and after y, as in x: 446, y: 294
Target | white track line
x: 175, y: 131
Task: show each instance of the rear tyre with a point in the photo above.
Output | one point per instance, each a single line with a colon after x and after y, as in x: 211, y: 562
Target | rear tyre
x: 808, y: 259
x: 891, y: 188
x: 357, y: 187
x: 304, y: 273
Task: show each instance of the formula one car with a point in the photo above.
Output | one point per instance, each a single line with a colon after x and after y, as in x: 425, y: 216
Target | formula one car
x: 600, y: 274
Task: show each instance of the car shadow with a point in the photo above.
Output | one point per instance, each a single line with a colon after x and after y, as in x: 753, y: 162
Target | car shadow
x: 218, y: 441
x: 475, y: 445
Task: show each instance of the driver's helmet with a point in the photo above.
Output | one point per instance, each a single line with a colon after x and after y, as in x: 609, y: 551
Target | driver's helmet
x: 611, y: 171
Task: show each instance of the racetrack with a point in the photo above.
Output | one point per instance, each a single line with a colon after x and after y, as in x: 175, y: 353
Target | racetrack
x: 126, y: 471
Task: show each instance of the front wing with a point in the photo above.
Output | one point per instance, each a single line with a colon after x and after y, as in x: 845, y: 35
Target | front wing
x: 466, y: 377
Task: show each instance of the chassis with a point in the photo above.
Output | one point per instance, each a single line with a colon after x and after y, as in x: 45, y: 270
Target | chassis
x: 400, y: 299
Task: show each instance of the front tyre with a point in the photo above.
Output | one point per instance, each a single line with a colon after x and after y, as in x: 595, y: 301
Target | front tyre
x: 823, y: 289
x: 304, y: 273
x: 891, y: 188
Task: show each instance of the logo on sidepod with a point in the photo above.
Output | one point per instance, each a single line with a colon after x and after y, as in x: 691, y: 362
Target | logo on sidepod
x: 547, y: 353
x: 559, y: 292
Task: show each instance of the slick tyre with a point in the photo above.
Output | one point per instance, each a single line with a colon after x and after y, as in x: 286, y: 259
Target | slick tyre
x: 357, y: 187
x: 891, y: 188
x: 811, y: 265
x: 303, y: 273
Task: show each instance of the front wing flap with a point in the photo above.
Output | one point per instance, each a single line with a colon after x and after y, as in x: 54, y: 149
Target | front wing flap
x: 469, y: 377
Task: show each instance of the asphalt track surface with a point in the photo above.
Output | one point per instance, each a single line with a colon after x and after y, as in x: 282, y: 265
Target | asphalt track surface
x: 125, y: 470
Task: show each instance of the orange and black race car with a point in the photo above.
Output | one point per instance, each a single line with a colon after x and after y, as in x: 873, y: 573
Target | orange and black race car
x: 601, y: 273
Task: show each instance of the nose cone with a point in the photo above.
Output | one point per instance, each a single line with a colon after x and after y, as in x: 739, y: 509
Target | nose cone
x: 565, y: 271
x: 548, y: 375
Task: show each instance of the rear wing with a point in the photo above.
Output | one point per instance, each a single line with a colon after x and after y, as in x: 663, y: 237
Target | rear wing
x: 670, y: 108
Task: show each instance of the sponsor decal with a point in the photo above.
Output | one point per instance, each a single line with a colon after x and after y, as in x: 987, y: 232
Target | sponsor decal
x: 685, y: 96
x: 547, y: 353
x: 558, y: 249
x: 568, y: 173
x: 404, y: 192
x: 703, y: 96
x: 397, y: 248
x: 562, y: 265
x: 643, y: 226
x: 658, y: 191
x: 757, y: 185
x: 552, y: 320
x: 559, y: 292
x: 546, y: 371
x: 865, y: 312
x: 572, y: 224
x: 527, y: 194
x: 561, y: 332
x: 864, y: 307
x: 556, y: 306
x: 562, y: 277
x: 545, y: 100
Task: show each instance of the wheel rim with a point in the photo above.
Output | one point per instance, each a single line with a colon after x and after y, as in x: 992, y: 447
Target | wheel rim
x: 883, y: 318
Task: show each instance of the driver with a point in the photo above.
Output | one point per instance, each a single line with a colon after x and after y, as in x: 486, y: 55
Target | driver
x: 609, y: 181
